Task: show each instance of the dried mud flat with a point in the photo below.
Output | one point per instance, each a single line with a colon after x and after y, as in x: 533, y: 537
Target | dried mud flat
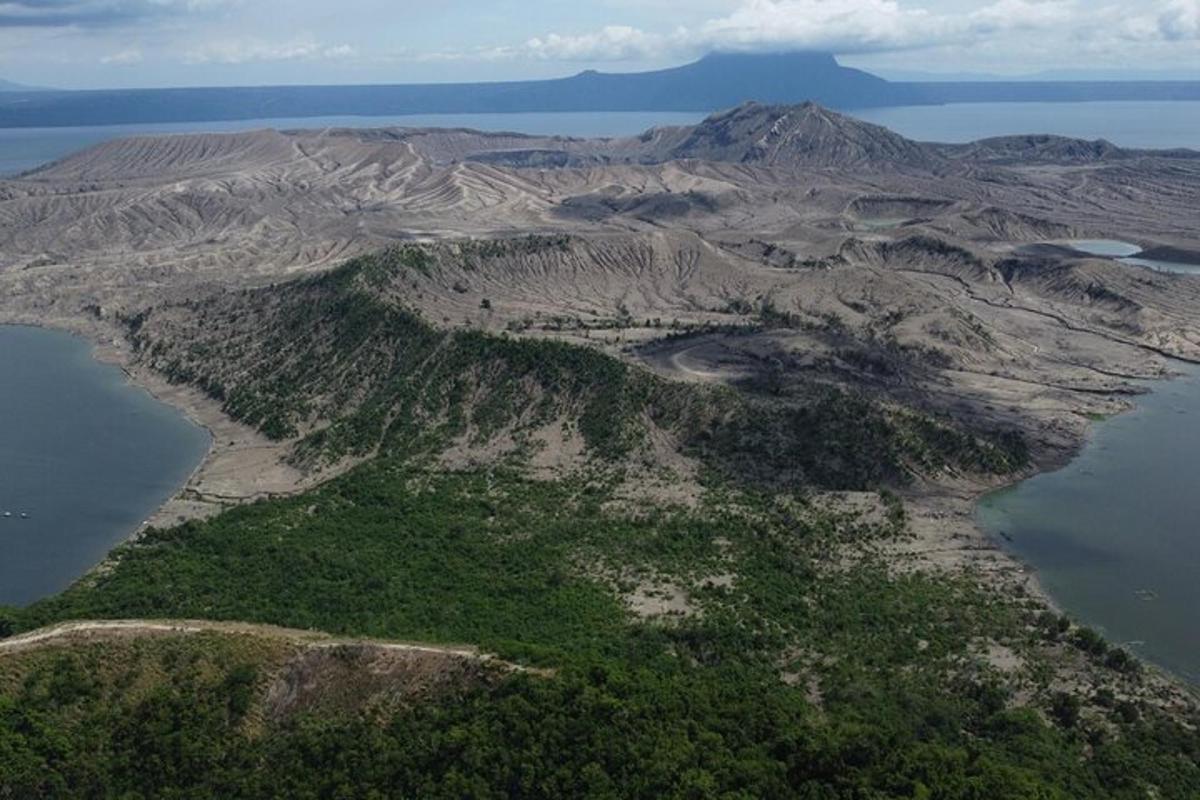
x: 766, y: 246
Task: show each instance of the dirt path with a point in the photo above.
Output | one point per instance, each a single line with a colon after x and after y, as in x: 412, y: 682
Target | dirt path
x: 92, y: 630
x: 706, y: 360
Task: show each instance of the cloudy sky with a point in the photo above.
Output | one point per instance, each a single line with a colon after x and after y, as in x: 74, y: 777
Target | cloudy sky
x: 103, y: 43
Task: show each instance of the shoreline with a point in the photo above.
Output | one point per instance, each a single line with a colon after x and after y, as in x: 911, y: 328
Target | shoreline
x: 1178, y: 676
x: 965, y: 500
x: 943, y: 513
x: 239, y: 466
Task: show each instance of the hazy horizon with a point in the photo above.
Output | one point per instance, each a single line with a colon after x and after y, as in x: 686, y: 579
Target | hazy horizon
x: 899, y: 74
x: 159, y: 43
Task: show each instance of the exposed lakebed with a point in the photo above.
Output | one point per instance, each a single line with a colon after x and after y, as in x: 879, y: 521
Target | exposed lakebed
x: 83, y: 454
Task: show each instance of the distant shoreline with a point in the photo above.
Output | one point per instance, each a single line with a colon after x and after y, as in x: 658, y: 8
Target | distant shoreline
x: 716, y: 81
x: 1146, y: 125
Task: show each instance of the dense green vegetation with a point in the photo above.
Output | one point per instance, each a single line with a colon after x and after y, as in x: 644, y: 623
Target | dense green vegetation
x: 794, y: 653
x: 794, y: 678
x: 670, y: 732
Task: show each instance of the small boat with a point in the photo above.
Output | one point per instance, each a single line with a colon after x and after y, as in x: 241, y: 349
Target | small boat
x: 24, y: 515
x: 7, y: 514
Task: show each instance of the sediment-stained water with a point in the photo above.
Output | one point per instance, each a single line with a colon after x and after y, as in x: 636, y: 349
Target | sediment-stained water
x: 84, y: 459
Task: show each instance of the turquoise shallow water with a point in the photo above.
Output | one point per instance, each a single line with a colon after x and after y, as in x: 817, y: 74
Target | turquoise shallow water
x: 1106, y: 247
x: 86, y: 455
x: 1115, y: 535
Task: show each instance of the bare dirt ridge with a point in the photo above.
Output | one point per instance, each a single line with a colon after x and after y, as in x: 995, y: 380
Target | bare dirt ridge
x: 98, y: 630
x: 297, y: 671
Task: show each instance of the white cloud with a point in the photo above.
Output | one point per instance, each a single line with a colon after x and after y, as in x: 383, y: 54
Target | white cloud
x: 866, y: 26
x: 821, y: 24
x: 611, y: 43
x: 245, y: 51
x: 128, y: 56
x: 1171, y: 21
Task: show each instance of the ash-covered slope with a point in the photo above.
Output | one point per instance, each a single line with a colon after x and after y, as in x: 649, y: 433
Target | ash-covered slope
x: 179, y: 156
x: 810, y: 135
x: 1049, y: 149
x: 805, y: 135
x: 247, y: 205
x: 777, y: 137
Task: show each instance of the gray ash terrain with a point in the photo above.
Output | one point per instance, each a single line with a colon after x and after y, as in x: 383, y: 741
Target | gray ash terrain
x: 667, y: 446
x: 786, y: 241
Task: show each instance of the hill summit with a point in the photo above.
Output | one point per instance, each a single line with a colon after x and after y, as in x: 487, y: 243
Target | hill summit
x: 722, y: 80
x: 807, y: 135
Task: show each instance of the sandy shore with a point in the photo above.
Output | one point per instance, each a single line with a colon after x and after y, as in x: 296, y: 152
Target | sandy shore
x: 241, y: 464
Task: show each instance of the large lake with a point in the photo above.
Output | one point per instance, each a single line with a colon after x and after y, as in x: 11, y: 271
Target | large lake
x: 84, y: 454
x: 1115, y: 535
x: 1160, y: 125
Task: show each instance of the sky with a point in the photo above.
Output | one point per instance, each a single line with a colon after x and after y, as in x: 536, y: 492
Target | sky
x: 135, y: 43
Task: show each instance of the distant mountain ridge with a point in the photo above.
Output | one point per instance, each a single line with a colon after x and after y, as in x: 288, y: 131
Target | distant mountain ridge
x: 784, y: 138
x: 714, y: 82
x: 9, y: 86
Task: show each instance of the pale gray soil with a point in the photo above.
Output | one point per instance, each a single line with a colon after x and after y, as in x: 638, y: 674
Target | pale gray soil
x: 765, y: 248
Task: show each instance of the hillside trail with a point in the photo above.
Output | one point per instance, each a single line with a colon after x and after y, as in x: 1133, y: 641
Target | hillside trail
x: 98, y: 630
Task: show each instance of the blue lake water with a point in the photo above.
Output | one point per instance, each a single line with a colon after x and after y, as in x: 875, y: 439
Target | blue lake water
x: 1157, y: 125
x: 84, y: 454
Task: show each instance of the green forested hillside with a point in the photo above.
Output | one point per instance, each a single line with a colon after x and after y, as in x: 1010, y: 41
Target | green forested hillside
x: 782, y: 675
x: 341, y: 361
x: 768, y: 640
